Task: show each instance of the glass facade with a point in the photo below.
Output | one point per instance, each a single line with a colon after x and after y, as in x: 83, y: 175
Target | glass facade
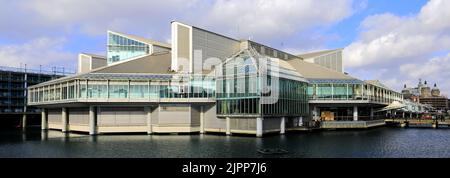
x: 332, y: 91
x: 188, y: 86
x: 139, y: 90
x: 121, y: 48
x: 340, y: 90
x: 97, y: 89
x: 239, y: 91
x: 292, y: 100
x: 118, y: 89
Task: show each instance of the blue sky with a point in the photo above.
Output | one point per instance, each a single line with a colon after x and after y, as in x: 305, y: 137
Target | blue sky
x: 397, y: 42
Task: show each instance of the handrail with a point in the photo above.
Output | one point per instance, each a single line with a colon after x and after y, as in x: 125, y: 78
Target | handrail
x: 35, y: 71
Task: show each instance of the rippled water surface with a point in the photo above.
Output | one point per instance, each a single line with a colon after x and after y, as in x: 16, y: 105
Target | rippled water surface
x: 377, y: 142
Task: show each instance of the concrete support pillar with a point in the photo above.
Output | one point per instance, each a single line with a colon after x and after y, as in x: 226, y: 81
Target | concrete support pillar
x: 64, y: 120
x: 315, y: 112
x: 202, y: 120
x: 355, y: 113
x: 371, y: 113
x: 149, y: 120
x: 92, y: 121
x: 24, y: 121
x: 403, y: 124
x: 44, y: 119
x: 44, y: 135
x: 228, y: 129
x: 259, y: 127
x: 434, y: 125
x: 283, y: 125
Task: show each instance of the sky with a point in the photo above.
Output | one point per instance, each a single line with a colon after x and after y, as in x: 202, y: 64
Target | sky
x: 396, y: 42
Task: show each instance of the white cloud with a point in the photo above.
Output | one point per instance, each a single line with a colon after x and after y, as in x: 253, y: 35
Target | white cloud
x: 437, y: 67
x: 95, y: 17
x: 434, y: 70
x: 401, y: 49
x: 43, y: 51
x: 257, y: 18
x: 264, y: 19
x: 387, y: 39
x: 274, y: 21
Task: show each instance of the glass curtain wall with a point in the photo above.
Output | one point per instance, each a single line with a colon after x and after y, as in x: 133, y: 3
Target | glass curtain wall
x: 118, y: 89
x: 139, y: 90
x: 194, y: 87
x: 97, y: 89
x: 334, y: 91
x: 292, y: 100
x: 237, y: 87
x: 239, y: 91
x: 121, y: 48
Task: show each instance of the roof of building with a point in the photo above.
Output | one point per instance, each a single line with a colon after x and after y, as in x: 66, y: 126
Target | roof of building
x: 127, y: 76
x: 143, y: 40
x: 94, y: 55
x: 378, y: 83
x: 317, y: 53
x: 202, y: 29
x: 151, y: 65
x: 156, y: 63
x: 268, y: 47
x: 285, y: 69
x: 313, y: 71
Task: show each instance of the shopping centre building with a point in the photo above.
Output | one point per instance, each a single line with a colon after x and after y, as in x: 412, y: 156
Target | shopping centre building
x: 206, y: 82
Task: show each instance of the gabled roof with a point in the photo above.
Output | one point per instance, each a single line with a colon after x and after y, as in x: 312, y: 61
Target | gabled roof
x: 143, y: 40
x: 318, y: 53
x: 285, y: 69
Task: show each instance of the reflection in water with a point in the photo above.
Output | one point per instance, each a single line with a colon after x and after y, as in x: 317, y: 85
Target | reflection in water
x: 379, y: 142
x: 93, y: 139
x: 44, y: 135
x: 24, y: 136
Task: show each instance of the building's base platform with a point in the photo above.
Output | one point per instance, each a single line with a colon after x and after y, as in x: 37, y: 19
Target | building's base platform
x: 351, y: 124
x: 127, y: 129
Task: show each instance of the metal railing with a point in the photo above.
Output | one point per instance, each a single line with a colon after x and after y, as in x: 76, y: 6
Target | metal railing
x: 54, y: 71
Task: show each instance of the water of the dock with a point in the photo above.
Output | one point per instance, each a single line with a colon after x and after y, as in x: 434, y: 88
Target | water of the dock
x: 376, y: 142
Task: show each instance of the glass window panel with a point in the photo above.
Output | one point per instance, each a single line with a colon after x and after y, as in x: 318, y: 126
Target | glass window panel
x: 118, y: 90
x: 139, y: 91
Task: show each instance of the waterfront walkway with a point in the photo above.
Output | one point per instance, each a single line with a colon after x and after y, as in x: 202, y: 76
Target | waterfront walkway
x: 351, y: 124
x: 408, y: 122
